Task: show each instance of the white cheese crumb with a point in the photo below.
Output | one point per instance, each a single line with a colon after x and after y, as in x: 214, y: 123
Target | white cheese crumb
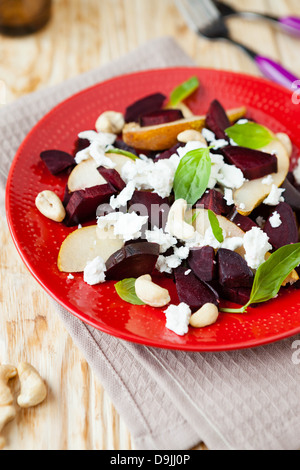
x: 275, y: 220
x: 210, y: 137
x: 127, y: 226
x: 260, y: 221
x: 70, y: 276
x: 230, y: 177
x: 79, y: 226
x: 178, y: 318
x: 123, y: 197
x: 275, y: 196
x: 228, y: 196
x: 94, y: 272
x: 164, y: 240
x: 99, y: 141
x: 268, y: 180
x: 187, y: 272
x: 256, y: 244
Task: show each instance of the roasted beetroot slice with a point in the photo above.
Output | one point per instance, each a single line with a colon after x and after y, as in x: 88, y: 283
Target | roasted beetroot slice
x: 133, y: 260
x: 233, y: 271
x: 192, y: 291
x: 253, y: 163
x: 236, y: 295
x: 57, y: 161
x: 217, y: 120
x: 113, y: 177
x: 67, y: 196
x: 242, y: 221
x: 148, y: 104
x: 287, y: 232
x: 162, y: 116
x: 150, y: 204
x: 168, y: 153
x: 120, y: 144
x: 82, y: 205
x: 80, y: 144
x: 203, y: 263
x: 214, y: 200
x: 291, y: 194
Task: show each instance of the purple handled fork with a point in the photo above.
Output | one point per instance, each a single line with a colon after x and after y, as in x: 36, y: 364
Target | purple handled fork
x: 206, y: 20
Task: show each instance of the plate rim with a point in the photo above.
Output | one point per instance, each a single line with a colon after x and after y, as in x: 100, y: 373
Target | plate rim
x: 112, y: 331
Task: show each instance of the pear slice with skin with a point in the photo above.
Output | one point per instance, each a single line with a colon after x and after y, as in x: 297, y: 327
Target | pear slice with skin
x: 83, y: 245
x: 254, y: 192
x: 164, y: 136
x: 85, y: 175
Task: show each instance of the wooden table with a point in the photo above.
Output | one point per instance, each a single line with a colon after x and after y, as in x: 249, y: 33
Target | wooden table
x: 84, y: 34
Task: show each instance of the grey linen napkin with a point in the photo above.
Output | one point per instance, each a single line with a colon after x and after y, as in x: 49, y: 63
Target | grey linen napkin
x: 173, y: 400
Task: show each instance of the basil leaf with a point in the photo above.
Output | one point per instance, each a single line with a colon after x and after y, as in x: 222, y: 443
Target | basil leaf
x: 250, y: 135
x: 122, y: 152
x: 126, y: 290
x: 184, y: 90
x: 192, y: 175
x: 216, y: 229
x: 271, y: 274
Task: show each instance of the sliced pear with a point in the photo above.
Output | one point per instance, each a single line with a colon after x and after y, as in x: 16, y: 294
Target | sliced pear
x: 253, y: 193
x: 85, y: 175
x: 164, y: 136
x: 119, y: 160
x: 84, y: 245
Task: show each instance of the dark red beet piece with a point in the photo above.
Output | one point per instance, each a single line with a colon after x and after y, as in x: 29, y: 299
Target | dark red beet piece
x: 150, y: 204
x: 132, y: 260
x: 67, y: 196
x: 233, y: 271
x: 287, y: 232
x: 237, y: 295
x: 144, y: 105
x: 253, y: 163
x: 203, y: 263
x: 291, y: 194
x: 120, y: 144
x: 80, y: 144
x: 113, y: 177
x: 245, y: 223
x: 168, y: 153
x: 57, y: 161
x: 161, y: 116
x: 214, y: 200
x: 82, y: 205
x: 192, y: 291
x: 217, y: 120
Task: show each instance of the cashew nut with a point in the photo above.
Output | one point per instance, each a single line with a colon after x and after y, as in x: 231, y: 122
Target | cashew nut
x: 150, y: 293
x: 7, y: 410
x: 176, y: 224
x: 49, y: 204
x: 205, y: 316
x: 110, y: 122
x: 7, y: 413
x: 191, y: 135
x: 286, y: 142
x: 33, y: 388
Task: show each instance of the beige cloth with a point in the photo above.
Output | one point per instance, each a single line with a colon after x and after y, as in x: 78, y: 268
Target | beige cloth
x: 172, y: 400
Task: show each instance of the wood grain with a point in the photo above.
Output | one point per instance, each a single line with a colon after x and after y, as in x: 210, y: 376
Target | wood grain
x: 85, y: 34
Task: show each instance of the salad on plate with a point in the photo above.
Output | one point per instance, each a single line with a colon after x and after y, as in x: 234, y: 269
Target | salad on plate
x: 209, y: 202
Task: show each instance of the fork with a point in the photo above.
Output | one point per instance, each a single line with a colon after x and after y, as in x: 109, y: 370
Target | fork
x: 204, y: 18
x: 289, y: 24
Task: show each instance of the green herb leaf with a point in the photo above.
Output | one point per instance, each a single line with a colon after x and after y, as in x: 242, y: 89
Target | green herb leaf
x: 271, y: 274
x: 122, y: 152
x: 192, y: 175
x: 250, y: 135
x: 216, y: 229
x: 184, y: 90
x: 126, y: 290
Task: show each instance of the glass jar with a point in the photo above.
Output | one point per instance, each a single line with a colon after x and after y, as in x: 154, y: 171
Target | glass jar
x: 21, y: 17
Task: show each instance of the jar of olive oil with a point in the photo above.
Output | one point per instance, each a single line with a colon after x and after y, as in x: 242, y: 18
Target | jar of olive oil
x: 21, y: 17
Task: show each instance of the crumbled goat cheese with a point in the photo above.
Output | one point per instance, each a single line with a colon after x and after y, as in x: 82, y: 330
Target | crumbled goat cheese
x: 94, y: 272
x: 232, y: 243
x: 189, y: 146
x: 260, y: 221
x: 164, y: 240
x: 228, y: 196
x: 147, y: 174
x: 187, y: 272
x: 210, y: 137
x: 217, y: 163
x: 275, y: 220
x: 127, y: 226
x: 256, y: 244
x: 275, y: 196
x: 178, y: 318
x: 268, y: 180
x: 123, y: 197
x: 99, y: 142
x: 296, y: 172
x: 167, y: 263
x: 230, y: 177
x: 70, y: 276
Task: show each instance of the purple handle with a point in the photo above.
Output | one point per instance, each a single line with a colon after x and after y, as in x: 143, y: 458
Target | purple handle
x: 290, y: 24
x: 275, y: 72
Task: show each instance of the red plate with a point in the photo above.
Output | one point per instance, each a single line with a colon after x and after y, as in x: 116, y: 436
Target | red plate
x: 38, y: 239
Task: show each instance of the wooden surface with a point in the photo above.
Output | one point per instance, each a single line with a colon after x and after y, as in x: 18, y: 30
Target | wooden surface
x: 84, y: 34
